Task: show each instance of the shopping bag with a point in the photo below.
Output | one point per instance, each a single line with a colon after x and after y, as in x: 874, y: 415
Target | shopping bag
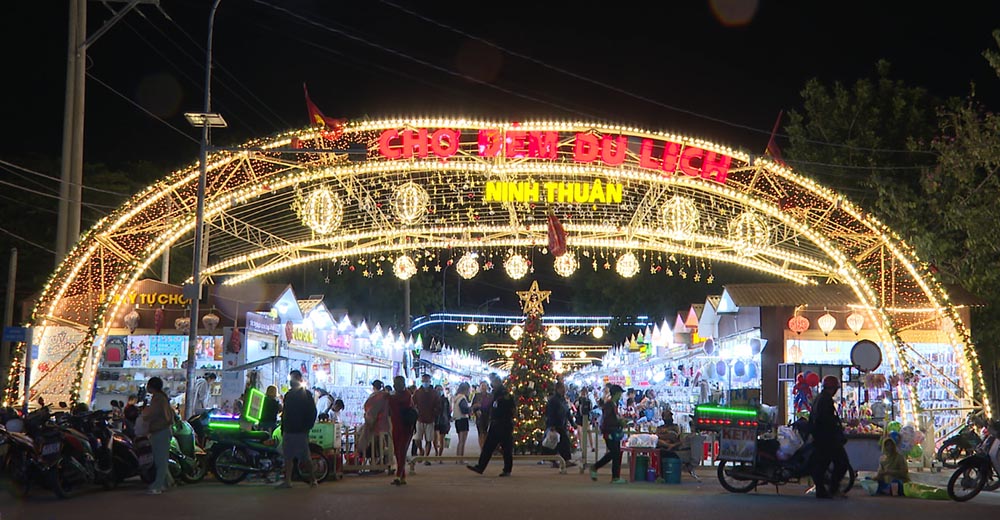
x: 551, y: 439
x: 141, y: 427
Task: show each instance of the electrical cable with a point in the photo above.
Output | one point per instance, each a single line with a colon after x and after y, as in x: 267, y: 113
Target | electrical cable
x: 52, y: 196
x: 52, y: 178
x: 25, y: 240
x: 143, y: 109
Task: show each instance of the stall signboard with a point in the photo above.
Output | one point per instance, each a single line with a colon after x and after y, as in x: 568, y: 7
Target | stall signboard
x: 738, y: 444
x: 208, y: 352
x: 340, y: 342
x: 166, y: 351
x: 744, y: 397
x: 262, y: 324
x: 254, y: 406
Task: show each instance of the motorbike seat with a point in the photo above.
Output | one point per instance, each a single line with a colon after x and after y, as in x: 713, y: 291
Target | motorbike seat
x: 256, y: 436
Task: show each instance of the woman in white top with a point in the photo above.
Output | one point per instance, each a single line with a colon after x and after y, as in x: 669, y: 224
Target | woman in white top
x: 460, y: 409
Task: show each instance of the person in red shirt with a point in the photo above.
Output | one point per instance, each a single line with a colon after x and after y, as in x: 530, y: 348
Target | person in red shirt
x: 401, y: 414
x: 428, y: 404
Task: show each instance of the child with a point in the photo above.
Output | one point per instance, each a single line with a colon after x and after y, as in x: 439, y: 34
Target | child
x: 892, y: 468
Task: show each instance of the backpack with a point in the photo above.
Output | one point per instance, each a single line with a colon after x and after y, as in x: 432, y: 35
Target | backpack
x: 410, y: 416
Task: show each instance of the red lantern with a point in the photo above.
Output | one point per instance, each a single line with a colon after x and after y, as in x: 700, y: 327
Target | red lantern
x: 798, y: 324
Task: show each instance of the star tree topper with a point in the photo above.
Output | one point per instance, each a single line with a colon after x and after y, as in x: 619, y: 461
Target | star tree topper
x: 531, y: 300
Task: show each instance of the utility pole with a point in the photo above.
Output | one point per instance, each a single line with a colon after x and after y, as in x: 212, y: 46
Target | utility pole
x: 8, y: 319
x: 71, y: 167
x: 406, y: 304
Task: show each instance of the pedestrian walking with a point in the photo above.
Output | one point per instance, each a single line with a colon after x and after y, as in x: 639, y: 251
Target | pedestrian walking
x: 442, y: 427
x: 298, y: 418
x: 501, y: 430
x: 461, y: 408
x: 556, y: 419
x: 428, y: 404
x: 828, y: 442
x: 403, y: 417
x: 376, y: 421
x: 158, y: 418
x: 269, y: 410
x: 482, y: 403
x: 584, y: 407
x: 613, y: 432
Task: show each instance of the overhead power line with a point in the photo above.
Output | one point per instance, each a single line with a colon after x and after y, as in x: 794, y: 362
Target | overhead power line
x: 52, y: 196
x: 143, y: 109
x: 633, y: 95
x: 52, y: 178
x: 26, y: 241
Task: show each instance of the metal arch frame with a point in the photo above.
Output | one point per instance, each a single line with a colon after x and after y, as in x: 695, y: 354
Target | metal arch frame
x: 119, y: 247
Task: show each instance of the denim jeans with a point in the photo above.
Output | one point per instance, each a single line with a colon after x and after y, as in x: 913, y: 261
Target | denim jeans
x: 160, y: 442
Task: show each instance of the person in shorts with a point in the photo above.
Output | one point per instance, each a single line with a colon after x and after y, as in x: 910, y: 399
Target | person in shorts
x: 428, y: 404
x: 442, y: 427
x: 298, y: 417
x: 460, y: 409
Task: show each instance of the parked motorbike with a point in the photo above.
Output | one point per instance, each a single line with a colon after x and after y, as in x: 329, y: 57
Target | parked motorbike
x: 34, y: 444
x: 766, y: 468
x: 236, y: 454
x: 187, y: 461
x: 963, y: 444
x: 85, y: 456
x: 979, y: 471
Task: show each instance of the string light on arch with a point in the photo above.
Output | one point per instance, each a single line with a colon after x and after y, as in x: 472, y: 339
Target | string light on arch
x: 404, y: 267
x: 468, y: 266
x: 627, y: 265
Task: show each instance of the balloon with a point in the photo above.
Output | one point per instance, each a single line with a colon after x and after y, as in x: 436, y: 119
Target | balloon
x: 709, y: 346
x: 895, y: 437
x: 893, y: 426
x: 739, y: 369
x: 918, y: 438
x: 720, y: 368
x: 917, y: 452
x: 752, y: 370
x: 812, y: 378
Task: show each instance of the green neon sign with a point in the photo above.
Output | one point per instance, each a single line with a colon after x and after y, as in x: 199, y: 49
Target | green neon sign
x: 224, y: 426
x: 254, y: 406
x: 722, y: 410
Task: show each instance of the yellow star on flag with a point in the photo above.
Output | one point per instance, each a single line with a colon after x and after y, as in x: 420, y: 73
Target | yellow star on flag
x: 531, y: 300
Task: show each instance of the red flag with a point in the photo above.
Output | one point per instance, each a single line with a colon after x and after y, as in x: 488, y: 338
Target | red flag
x: 331, y: 125
x: 772, y: 147
x: 557, y: 236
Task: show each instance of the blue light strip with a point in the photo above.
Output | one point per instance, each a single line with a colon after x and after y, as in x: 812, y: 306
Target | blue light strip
x: 509, y: 321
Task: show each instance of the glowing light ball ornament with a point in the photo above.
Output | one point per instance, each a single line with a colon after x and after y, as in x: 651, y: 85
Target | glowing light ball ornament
x: 750, y: 233
x: 680, y: 217
x: 404, y: 267
x: 582, y: 354
x: 565, y: 265
x: 468, y: 266
x: 516, y: 266
x: 321, y: 211
x: 472, y: 329
x: 516, y: 332
x: 554, y: 333
x: 627, y: 265
x: 598, y: 333
x: 410, y: 203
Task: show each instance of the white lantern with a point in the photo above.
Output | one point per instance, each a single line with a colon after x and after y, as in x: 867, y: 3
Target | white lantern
x: 598, y: 332
x: 856, y: 322
x: 516, y: 332
x: 826, y: 323
x: 627, y: 265
x: 472, y: 329
x: 565, y: 265
x: 516, y: 266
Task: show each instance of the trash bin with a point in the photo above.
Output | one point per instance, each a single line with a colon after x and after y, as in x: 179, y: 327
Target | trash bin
x: 641, y: 467
x: 672, y: 470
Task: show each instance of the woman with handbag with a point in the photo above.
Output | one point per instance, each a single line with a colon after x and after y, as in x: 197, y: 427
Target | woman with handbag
x: 611, y: 429
x: 157, y: 419
x: 403, y: 417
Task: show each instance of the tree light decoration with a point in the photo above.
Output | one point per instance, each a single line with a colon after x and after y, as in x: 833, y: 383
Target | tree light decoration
x: 566, y: 264
x: 515, y: 333
x: 750, y: 233
x: 410, y: 203
x: 855, y: 322
x: 468, y: 266
x: 598, y: 332
x: 826, y: 323
x: 627, y: 265
x: 554, y: 333
x: 516, y: 266
x: 404, y: 267
x: 472, y: 329
x: 321, y: 211
x: 680, y: 217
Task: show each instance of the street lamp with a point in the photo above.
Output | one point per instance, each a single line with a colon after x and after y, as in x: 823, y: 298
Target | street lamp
x: 205, y: 119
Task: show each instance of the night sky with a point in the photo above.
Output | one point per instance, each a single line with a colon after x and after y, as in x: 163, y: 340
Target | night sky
x: 675, y: 53
x: 698, y: 74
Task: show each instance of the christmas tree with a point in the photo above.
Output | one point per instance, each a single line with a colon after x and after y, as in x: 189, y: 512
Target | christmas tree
x: 531, y: 377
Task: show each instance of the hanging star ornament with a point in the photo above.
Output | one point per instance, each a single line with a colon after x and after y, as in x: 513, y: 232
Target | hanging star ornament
x: 531, y: 300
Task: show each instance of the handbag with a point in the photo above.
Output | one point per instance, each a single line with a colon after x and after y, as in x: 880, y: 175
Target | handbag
x: 141, y: 427
x: 551, y: 439
x: 410, y: 417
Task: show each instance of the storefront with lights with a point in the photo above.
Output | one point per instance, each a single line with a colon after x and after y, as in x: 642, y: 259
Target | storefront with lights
x: 429, y: 193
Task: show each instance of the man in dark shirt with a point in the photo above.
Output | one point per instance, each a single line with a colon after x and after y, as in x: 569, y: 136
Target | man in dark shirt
x: 556, y: 418
x: 428, y: 404
x: 828, y: 442
x: 298, y: 417
x: 501, y: 430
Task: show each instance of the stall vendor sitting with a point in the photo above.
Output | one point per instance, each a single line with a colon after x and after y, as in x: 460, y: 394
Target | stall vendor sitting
x: 891, y: 466
x: 669, y: 433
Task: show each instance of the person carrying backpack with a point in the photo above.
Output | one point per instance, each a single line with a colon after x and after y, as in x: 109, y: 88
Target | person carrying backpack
x: 403, y: 417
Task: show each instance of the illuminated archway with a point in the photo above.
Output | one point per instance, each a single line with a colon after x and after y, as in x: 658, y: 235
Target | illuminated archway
x: 386, y: 192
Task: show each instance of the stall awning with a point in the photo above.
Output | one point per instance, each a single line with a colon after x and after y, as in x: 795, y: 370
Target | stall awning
x: 255, y: 364
x: 346, y: 358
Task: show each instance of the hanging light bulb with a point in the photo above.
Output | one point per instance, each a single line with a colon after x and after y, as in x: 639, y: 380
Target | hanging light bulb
x: 404, y: 267
x: 516, y: 266
x: 472, y: 329
x: 583, y: 354
x: 598, y: 332
x: 627, y: 265
x: 516, y: 332
x: 554, y: 333
x: 468, y: 266
x: 508, y: 353
x: 826, y: 323
x: 856, y: 322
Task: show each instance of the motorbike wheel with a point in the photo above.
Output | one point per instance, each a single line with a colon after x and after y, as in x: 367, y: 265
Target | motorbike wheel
x: 992, y: 482
x: 951, y: 453
x: 851, y: 477
x: 19, y: 473
x: 223, y: 462
x: 731, y: 484
x: 60, y: 485
x: 967, y: 481
x: 321, y: 467
x: 196, y: 473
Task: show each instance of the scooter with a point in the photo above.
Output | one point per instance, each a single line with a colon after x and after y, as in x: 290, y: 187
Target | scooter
x: 766, y: 468
x: 84, y: 457
x: 236, y: 454
x: 188, y: 461
x: 961, y: 445
x: 979, y: 471
x: 33, y: 447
